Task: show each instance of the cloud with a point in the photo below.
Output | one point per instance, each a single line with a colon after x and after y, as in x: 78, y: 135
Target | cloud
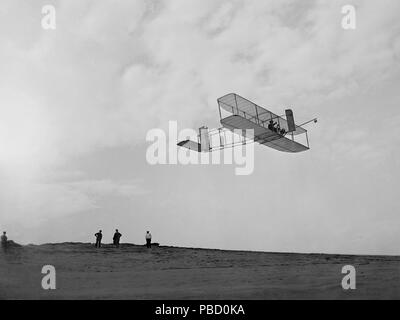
x: 108, y: 65
x: 101, y: 188
x: 32, y: 203
x: 112, y: 70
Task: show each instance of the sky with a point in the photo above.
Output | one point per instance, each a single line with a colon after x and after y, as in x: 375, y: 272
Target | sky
x: 77, y: 101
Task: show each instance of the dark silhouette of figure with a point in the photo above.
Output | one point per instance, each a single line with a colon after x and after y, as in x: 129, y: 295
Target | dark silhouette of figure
x: 4, y: 240
x: 98, y: 236
x: 116, y: 238
x: 271, y: 126
x: 283, y: 131
x: 148, y: 239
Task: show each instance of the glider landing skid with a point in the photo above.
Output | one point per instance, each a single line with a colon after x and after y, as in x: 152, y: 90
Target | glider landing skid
x: 217, y: 139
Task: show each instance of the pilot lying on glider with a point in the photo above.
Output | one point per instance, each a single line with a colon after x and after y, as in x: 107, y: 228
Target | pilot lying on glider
x: 276, y: 128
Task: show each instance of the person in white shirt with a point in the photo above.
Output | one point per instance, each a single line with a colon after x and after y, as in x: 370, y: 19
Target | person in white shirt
x: 148, y: 239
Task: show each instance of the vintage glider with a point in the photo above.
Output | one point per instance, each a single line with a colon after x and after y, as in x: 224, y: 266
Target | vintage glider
x: 238, y: 114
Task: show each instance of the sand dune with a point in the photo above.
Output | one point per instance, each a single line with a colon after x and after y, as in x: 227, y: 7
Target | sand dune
x: 135, y: 272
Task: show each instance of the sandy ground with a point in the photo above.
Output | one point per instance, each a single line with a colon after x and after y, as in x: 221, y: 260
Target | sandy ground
x: 135, y: 272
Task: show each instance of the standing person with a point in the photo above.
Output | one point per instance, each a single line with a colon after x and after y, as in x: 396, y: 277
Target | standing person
x: 148, y: 239
x: 98, y: 236
x: 116, y: 238
x: 4, y: 240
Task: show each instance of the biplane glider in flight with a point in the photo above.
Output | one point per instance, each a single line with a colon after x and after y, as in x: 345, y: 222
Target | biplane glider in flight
x: 238, y: 114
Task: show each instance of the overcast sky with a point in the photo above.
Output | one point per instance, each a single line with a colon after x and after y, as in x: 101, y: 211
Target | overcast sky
x: 77, y: 102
